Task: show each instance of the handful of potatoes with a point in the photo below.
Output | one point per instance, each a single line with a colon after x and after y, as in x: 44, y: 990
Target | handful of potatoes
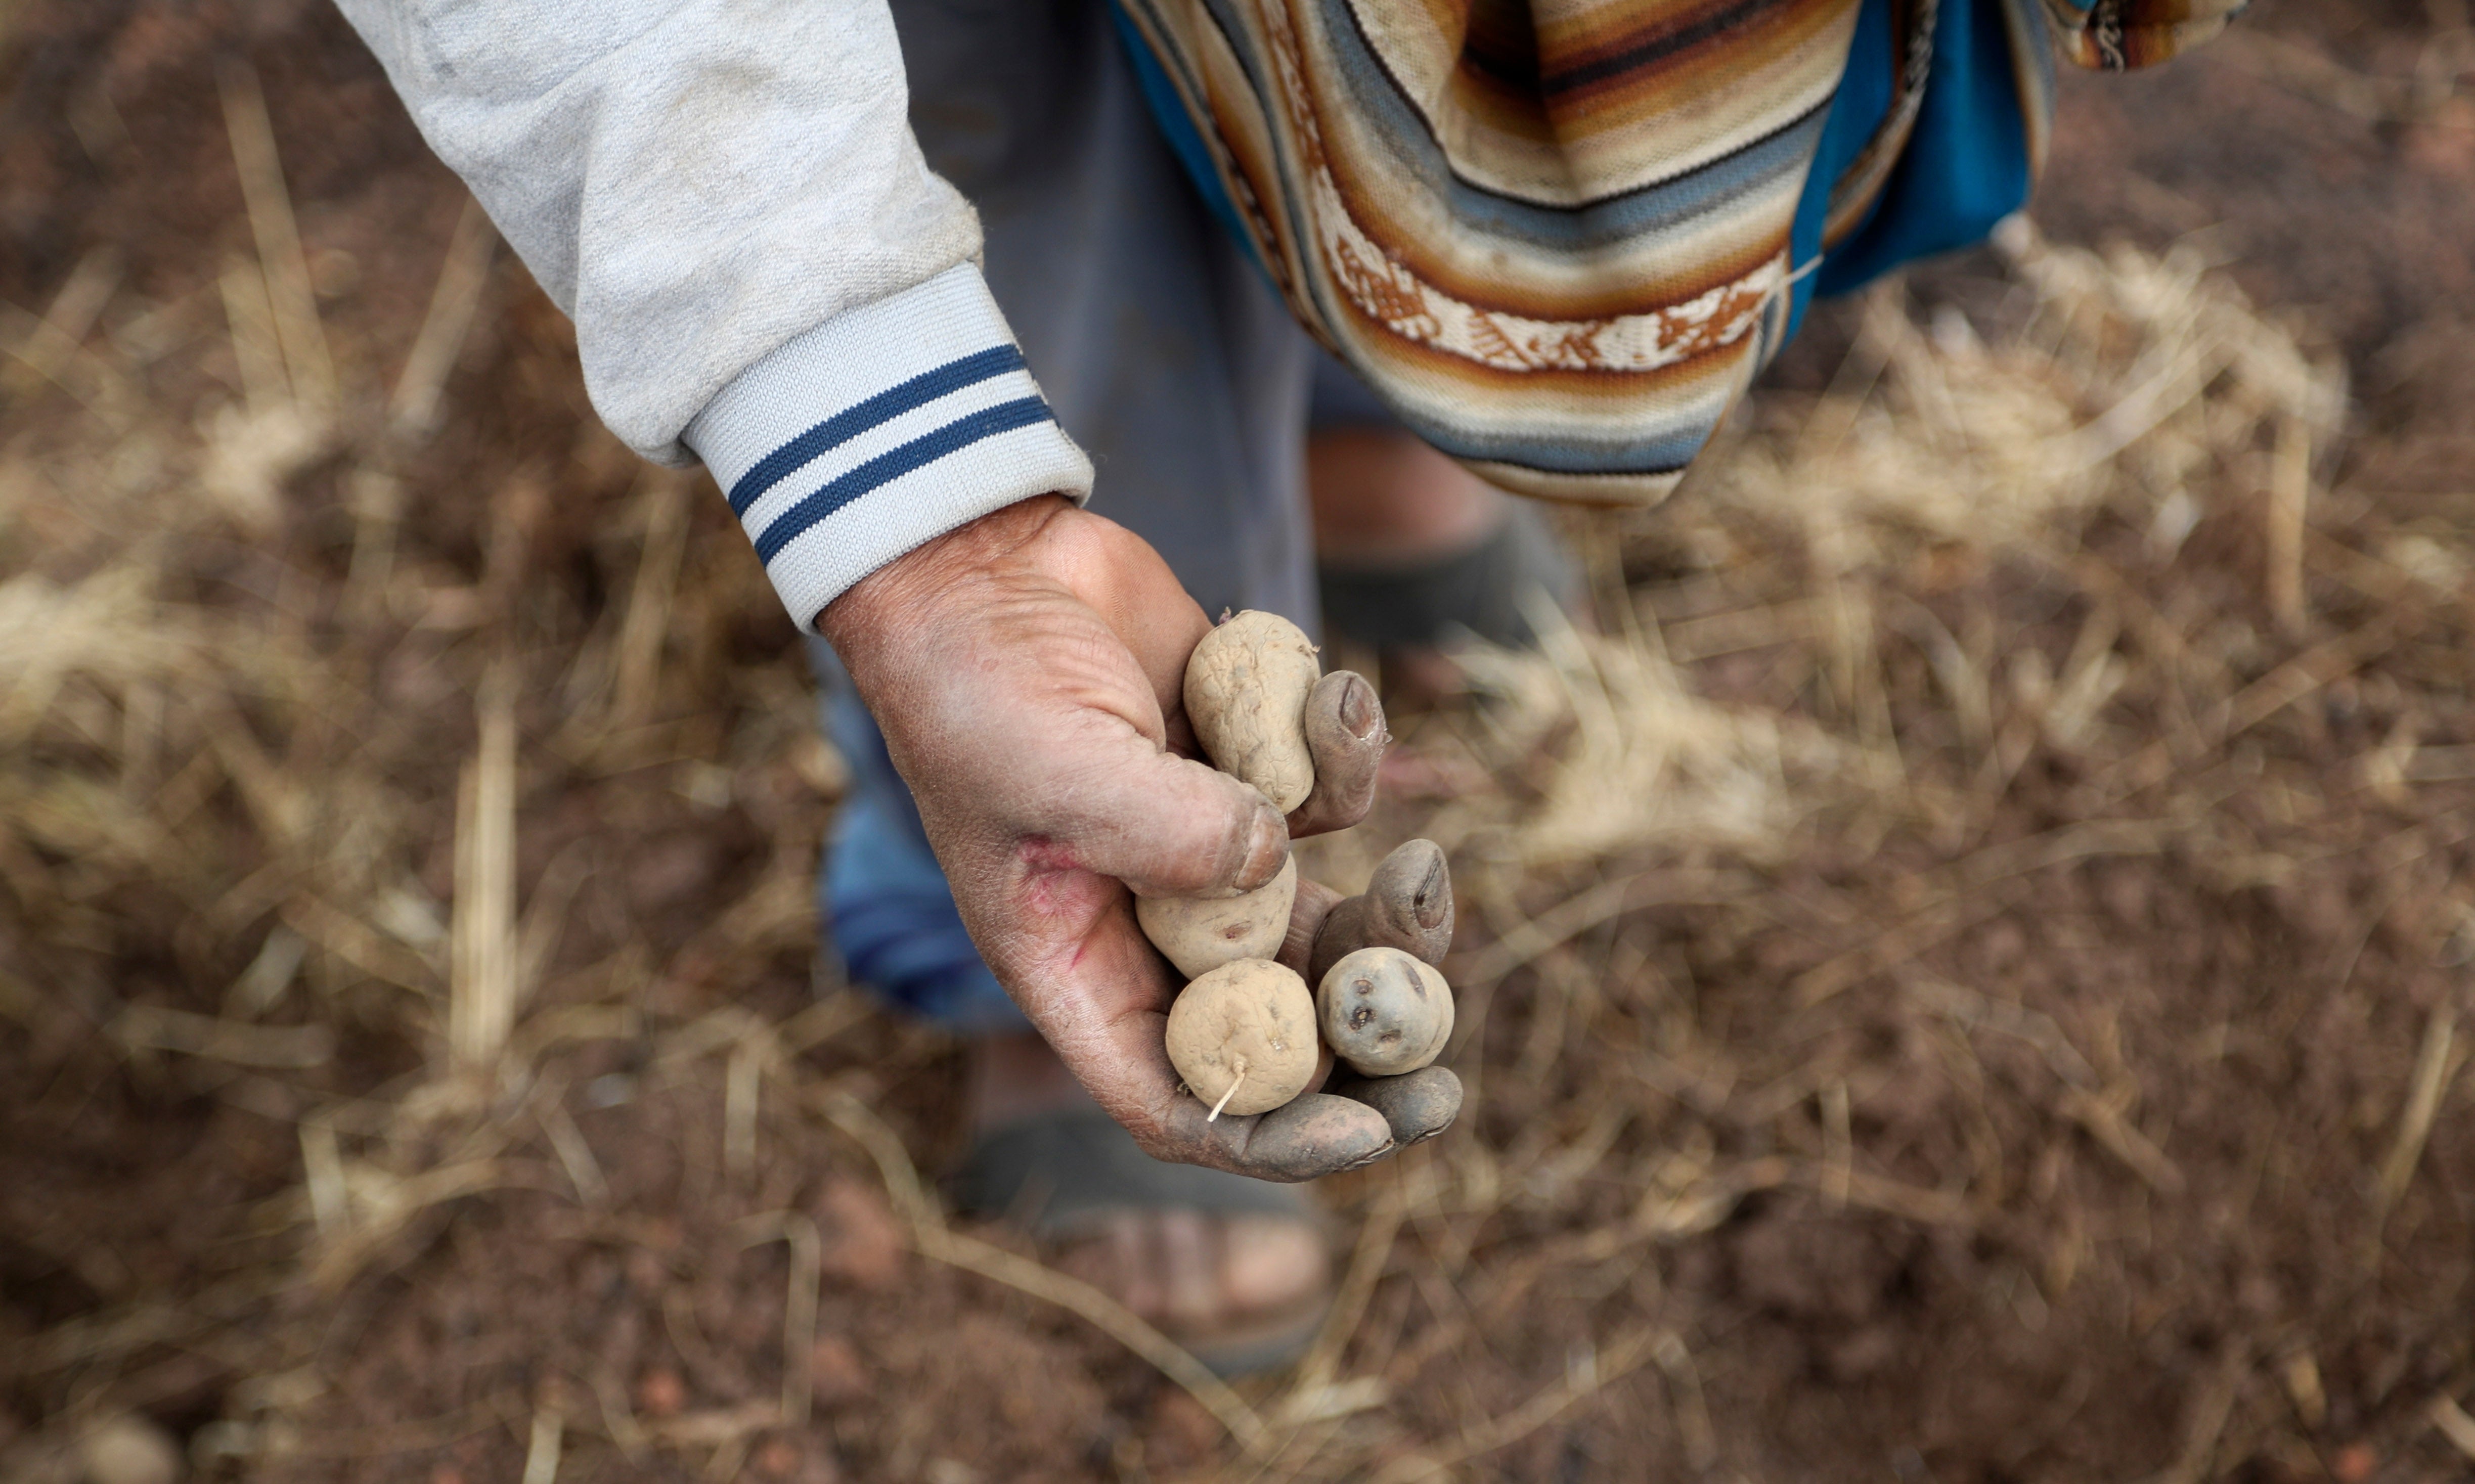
x: 1246, y: 1034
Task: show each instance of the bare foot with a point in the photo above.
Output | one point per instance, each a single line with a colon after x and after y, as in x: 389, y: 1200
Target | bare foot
x: 1197, y: 1274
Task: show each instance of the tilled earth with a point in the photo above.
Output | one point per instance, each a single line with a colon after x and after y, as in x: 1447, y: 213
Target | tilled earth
x: 2076, y: 1104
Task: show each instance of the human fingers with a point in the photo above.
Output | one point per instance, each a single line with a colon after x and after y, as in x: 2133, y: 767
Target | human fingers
x: 1406, y: 905
x: 1312, y: 904
x: 1416, y: 1105
x: 1115, y: 1045
x: 1311, y: 1135
x: 1308, y: 1137
x: 1189, y: 1262
x: 1162, y: 824
x: 1346, y: 737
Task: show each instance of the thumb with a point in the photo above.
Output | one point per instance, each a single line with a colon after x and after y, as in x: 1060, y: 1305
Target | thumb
x: 1169, y: 826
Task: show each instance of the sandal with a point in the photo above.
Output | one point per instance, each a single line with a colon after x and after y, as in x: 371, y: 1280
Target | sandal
x: 1424, y: 604
x: 1059, y: 1175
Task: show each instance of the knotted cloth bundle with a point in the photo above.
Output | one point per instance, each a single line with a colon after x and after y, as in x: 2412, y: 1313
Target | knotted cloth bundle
x: 1558, y: 238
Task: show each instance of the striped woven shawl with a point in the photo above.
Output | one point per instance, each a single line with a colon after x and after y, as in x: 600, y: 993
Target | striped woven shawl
x: 1558, y: 237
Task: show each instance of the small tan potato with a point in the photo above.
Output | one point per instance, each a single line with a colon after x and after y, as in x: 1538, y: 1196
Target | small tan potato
x: 1246, y: 689
x: 1384, y: 1012
x: 1244, y: 1037
x: 1201, y: 934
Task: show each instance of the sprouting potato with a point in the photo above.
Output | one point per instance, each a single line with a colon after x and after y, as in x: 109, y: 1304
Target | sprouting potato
x: 1246, y: 687
x: 1384, y: 1012
x: 1244, y: 1037
x: 1201, y: 934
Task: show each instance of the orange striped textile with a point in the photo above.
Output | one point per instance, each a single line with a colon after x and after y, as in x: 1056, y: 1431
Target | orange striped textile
x: 1554, y: 235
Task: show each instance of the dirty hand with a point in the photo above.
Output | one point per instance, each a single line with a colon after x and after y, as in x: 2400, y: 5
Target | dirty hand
x: 1026, y: 669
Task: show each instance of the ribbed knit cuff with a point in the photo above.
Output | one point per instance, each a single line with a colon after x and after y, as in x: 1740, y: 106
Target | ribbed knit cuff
x: 878, y: 431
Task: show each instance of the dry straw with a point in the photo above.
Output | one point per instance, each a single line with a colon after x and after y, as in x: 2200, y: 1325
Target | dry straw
x: 154, y: 735
x: 2127, y: 382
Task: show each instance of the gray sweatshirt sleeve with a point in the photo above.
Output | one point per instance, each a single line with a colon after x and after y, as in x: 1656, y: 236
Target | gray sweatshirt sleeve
x: 763, y: 273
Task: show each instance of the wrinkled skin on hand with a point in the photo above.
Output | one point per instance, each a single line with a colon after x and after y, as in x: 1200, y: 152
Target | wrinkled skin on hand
x: 1027, y: 671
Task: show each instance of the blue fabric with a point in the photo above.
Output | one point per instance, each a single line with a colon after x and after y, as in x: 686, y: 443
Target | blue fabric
x: 1863, y: 100
x: 1161, y: 97
x: 883, y: 407
x: 918, y: 454
x: 1965, y: 166
x: 883, y: 898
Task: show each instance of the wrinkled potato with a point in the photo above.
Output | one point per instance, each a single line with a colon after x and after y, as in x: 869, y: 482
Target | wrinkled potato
x: 1416, y: 1105
x: 1201, y: 934
x: 1244, y: 1037
x: 1385, y: 1012
x: 1246, y: 688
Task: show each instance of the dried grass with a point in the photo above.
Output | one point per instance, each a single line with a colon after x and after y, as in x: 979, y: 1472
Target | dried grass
x: 2130, y: 385
x: 160, y: 740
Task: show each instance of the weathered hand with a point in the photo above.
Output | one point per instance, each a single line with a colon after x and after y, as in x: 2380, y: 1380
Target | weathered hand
x: 1027, y: 670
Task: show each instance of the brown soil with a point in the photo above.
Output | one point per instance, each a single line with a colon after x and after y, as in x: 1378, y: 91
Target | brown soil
x: 2050, y: 1121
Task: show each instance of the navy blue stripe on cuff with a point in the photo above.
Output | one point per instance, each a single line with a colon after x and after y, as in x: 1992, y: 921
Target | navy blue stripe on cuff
x: 854, y: 420
x: 961, y: 433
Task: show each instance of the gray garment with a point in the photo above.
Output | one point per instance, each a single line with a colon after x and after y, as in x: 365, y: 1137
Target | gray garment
x: 1160, y: 344
x: 763, y: 273
x: 697, y: 182
x: 1163, y: 354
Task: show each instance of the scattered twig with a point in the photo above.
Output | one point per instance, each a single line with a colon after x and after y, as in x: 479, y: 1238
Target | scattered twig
x: 462, y: 276
x: 2206, y: 1407
x: 936, y: 1242
x: 482, y: 995
x: 542, y: 1447
x: 1378, y: 1229
x: 743, y: 1085
x: 2102, y: 1115
x: 800, y: 1308
x: 2435, y: 1059
x: 2290, y: 492
x: 2453, y: 1424
x: 1589, y: 1372
x: 158, y: 1028
x: 311, y: 369
x: 1692, y: 1410
x: 574, y: 1154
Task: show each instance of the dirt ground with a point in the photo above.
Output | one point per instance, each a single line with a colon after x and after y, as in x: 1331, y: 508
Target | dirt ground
x: 1962, y: 977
